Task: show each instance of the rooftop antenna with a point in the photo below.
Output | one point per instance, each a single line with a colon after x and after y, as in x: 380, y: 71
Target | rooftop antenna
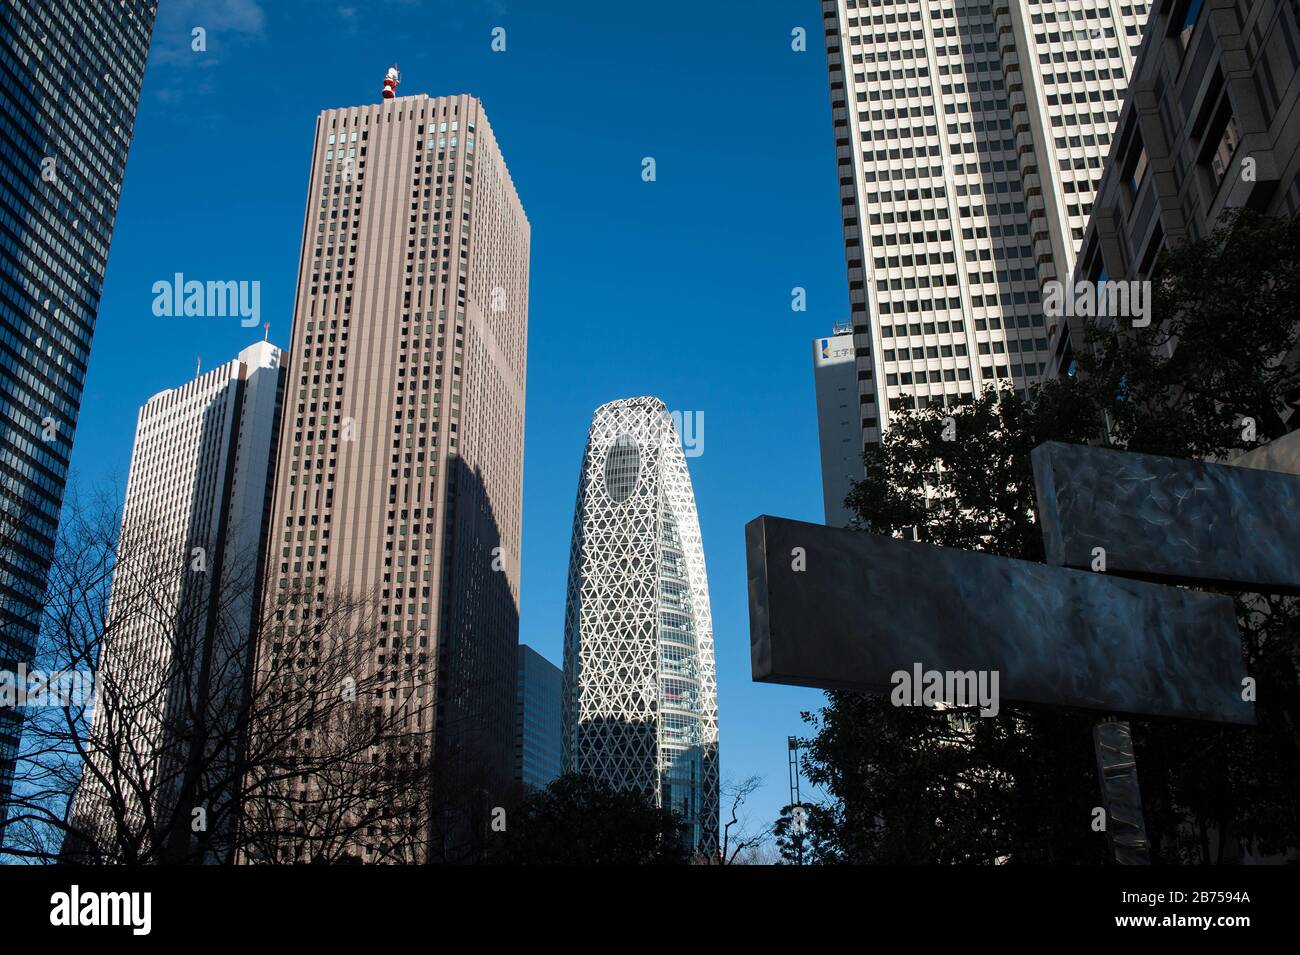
x: 198, y: 364
x: 391, y: 79
x: 266, y: 331
x: 797, y: 811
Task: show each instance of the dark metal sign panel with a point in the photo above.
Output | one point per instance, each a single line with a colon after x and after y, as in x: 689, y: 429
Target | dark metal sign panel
x: 844, y: 609
x: 1169, y: 518
x: 1126, y: 831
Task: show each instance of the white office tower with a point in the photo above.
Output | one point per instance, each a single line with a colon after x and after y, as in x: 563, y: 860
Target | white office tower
x: 970, y: 137
x: 839, y: 433
x: 640, y: 683
x: 179, y: 636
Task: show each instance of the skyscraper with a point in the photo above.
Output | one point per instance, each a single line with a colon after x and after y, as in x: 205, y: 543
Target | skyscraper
x: 401, y: 454
x: 969, y: 137
x: 538, y: 717
x: 1206, y: 134
x: 640, y: 683
x: 839, y: 433
x: 179, y: 638
x: 72, y: 74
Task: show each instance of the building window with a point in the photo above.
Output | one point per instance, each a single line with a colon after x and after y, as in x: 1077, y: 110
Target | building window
x: 1224, y: 148
x: 1154, y: 247
x: 1191, y: 9
x: 1137, y: 171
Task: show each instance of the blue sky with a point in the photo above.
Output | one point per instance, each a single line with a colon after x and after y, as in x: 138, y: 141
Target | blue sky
x: 679, y: 288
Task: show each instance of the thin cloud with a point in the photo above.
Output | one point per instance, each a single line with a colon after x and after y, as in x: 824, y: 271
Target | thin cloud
x: 225, y: 21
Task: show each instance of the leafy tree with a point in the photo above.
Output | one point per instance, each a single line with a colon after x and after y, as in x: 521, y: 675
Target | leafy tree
x: 1216, y: 363
x: 820, y: 841
x: 1221, y: 347
x: 581, y: 820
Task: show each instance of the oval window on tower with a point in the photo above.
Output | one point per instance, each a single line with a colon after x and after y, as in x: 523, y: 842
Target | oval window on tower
x: 622, y: 467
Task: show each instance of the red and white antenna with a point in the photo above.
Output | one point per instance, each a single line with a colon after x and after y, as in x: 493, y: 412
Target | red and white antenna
x: 391, y: 79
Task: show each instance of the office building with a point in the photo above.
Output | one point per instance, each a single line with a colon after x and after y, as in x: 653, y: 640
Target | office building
x: 401, y: 454
x: 178, y: 641
x: 538, y: 708
x: 1211, y: 124
x: 839, y: 432
x: 969, y: 136
x: 71, y: 76
x: 640, y: 682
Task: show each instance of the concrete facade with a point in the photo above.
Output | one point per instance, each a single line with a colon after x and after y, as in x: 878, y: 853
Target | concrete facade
x: 1212, y: 123
x: 401, y: 455
x: 838, y: 429
x: 969, y: 137
x: 180, y: 630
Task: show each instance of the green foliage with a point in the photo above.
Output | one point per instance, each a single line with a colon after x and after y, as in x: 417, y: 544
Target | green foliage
x: 917, y: 785
x: 817, y: 844
x: 974, y: 491
x: 580, y: 820
x: 1221, y: 345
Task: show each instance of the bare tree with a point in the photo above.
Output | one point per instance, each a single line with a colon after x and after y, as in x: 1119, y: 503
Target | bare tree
x: 196, y: 747
x: 739, y: 845
x: 337, y: 765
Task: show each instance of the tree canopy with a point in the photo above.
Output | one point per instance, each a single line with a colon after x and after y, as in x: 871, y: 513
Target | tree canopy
x: 581, y: 820
x: 1213, y: 374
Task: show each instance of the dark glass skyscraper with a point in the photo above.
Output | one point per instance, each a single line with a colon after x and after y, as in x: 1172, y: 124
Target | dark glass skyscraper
x: 539, y: 692
x: 70, y: 75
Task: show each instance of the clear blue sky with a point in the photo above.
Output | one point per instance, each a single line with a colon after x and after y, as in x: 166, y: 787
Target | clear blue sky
x: 679, y: 288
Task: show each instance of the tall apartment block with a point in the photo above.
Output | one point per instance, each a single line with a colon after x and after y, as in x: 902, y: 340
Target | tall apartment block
x: 1212, y: 123
x: 178, y: 642
x: 839, y: 432
x: 538, y: 708
x: 640, y: 682
x: 70, y: 76
x: 969, y: 136
x: 401, y: 454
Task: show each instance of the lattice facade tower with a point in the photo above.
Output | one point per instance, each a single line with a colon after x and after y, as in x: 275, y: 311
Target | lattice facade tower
x: 640, y: 683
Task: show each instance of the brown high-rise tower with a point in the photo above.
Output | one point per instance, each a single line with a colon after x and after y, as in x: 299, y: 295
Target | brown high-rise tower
x: 400, y: 467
